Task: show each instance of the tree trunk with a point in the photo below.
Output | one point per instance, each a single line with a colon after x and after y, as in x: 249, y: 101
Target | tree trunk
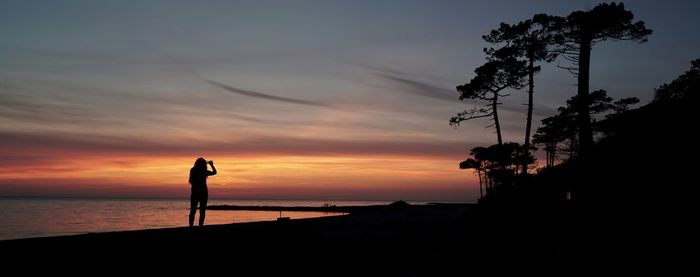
x: 585, y: 131
x: 552, y: 153
x: 481, y: 191
x: 487, y: 184
x: 572, y: 147
x: 530, y: 92
x: 495, y: 118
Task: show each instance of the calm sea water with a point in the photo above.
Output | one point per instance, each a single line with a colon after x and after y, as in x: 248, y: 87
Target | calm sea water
x: 40, y: 217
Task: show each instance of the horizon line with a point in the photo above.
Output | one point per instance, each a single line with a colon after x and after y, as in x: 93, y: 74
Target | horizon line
x: 3, y: 197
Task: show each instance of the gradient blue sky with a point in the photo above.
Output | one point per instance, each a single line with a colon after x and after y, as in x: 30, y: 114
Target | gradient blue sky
x: 364, y: 85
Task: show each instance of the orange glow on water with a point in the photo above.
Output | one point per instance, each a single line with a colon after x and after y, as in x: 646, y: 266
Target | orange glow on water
x: 36, y: 217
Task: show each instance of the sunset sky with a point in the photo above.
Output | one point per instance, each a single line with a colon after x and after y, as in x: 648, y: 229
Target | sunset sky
x: 291, y: 99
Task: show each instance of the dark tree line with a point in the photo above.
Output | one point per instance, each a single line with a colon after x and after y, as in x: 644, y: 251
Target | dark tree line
x: 512, y: 63
x: 682, y: 88
x: 497, y: 164
x: 559, y: 134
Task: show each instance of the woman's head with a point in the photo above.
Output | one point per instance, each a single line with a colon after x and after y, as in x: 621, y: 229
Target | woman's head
x: 200, y: 163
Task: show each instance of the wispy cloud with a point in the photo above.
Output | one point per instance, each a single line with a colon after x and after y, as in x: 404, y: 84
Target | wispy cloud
x: 57, y: 103
x: 252, y: 119
x: 413, y: 84
x: 261, y: 95
x: 421, y: 88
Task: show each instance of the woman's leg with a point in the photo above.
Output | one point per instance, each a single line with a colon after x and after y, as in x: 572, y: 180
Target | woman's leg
x: 203, y: 205
x: 193, y: 206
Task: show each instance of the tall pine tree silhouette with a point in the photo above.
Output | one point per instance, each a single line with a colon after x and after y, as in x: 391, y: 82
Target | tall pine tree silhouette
x: 576, y: 36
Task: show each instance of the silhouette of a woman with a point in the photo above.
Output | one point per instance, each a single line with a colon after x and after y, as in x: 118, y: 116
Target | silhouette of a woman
x: 200, y: 194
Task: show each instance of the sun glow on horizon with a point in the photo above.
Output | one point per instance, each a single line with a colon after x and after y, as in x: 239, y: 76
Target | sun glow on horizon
x: 264, y: 176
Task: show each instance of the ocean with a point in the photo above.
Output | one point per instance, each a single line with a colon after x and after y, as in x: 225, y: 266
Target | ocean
x: 42, y: 217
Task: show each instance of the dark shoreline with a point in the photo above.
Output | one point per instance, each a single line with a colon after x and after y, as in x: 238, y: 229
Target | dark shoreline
x: 399, y: 240
x: 399, y: 205
x: 341, y: 209
x: 377, y: 238
x: 327, y: 208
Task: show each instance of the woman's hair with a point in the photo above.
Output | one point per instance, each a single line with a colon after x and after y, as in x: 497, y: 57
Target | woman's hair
x: 200, y: 164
